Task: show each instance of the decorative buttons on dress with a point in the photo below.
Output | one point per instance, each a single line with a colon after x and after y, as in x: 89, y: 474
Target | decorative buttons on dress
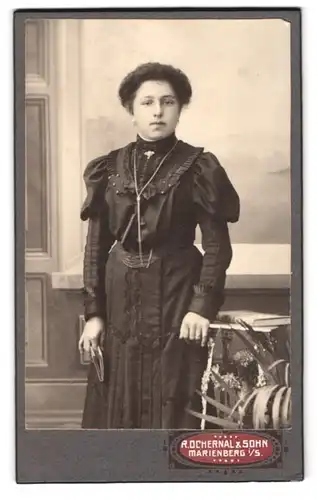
x: 113, y: 183
x: 117, y: 191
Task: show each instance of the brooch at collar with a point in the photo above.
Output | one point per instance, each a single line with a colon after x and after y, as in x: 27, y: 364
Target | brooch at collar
x: 148, y: 154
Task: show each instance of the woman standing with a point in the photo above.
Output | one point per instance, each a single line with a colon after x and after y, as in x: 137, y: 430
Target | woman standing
x: 149, y: 293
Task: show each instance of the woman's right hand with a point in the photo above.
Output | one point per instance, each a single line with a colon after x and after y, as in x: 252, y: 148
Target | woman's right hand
x: 94, y: 327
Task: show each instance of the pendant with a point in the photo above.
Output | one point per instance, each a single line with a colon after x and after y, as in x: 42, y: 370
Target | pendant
x: 139, y: 227
x: 138, y: 211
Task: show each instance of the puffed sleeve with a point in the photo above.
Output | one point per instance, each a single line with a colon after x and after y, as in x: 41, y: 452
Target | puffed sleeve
x: 95, y: 178
x: 98, y: 241
x: 217, y: 203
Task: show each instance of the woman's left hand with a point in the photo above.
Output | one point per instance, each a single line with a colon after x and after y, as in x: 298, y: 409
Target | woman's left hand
x: 194, y: 328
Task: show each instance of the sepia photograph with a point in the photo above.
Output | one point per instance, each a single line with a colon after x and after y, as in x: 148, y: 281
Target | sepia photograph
x: 158, y: 194
x: 157, y: 224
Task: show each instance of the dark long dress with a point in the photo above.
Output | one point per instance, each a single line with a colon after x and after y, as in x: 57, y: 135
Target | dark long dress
x: 150, y: 374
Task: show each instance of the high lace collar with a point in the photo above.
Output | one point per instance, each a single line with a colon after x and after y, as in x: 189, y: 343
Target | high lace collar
x: 161, y: 146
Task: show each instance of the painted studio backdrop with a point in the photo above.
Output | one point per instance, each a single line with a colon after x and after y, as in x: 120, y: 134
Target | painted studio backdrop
x: 240, y: 111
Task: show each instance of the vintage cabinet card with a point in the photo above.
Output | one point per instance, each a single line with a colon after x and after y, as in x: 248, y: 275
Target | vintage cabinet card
x: 158, y: 171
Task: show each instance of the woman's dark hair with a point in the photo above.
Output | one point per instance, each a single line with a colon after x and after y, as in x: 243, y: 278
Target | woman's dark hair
x: 159, y: 72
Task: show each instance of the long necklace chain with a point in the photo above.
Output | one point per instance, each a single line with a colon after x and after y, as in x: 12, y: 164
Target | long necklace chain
x: 139, y: 193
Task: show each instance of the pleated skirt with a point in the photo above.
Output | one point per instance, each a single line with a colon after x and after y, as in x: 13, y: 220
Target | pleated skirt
x: 151, y: 376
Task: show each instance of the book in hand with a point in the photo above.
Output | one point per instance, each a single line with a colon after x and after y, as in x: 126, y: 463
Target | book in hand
x: 257, y: 320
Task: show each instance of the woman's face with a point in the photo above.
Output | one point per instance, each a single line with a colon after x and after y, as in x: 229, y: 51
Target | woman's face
x: 155, y: 110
